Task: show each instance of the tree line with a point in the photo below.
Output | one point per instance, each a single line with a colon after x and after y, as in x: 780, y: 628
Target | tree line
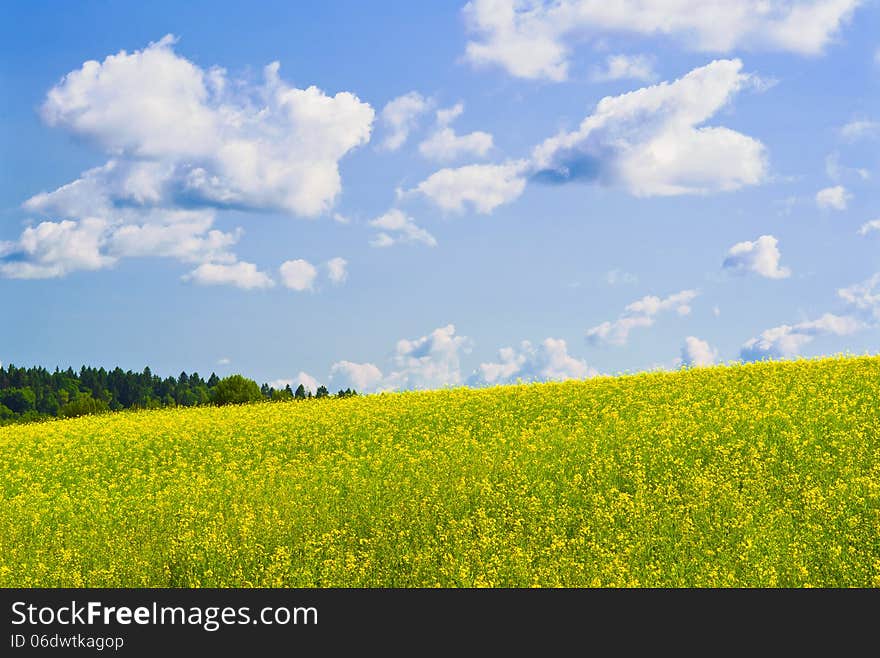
x: 29, y: 394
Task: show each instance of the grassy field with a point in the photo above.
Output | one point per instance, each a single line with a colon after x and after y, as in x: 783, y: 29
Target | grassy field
x: 755, y: 475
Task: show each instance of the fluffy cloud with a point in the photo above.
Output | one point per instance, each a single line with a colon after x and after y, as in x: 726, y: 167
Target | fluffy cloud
x: 868, y: 227
x: 530, y: 38
x: 864, y: 296
x: 298, y: 274
x: 216, y: 145
x: 397, y: 228
x: 788, y: 340
x: 444, y: 144
x: 697, y: 353
x: 761, y: 257
x: 859, y: 129
x: 626, y: 67
x: 483, y: 187
x: 653, y: 142
x: 547, y: 361
x: 184, y: 142
x: 834, y: 198
x: 431, y: 361
x: 308, y: 382
x: 400, y: 116
x: 641, y: 313
x: 337, y: 270
x: 53, y: 249
x: 362, y: 377
x: 241, y: 275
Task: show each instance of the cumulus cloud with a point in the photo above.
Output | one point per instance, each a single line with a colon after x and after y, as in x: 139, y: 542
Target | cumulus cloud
x: 833, y: 198
x: 869, y: 227
x: 626, y: 67
x: 444, y: 144
x: 185, y: 142
x: 641, y: 313
x: 241, y: 275
x: 482, y: 187
x: 859, y: 129
x: 532, y: 38
x: 653, y: 141
x: 398, y: 228
x: 431, y: 361
x: 53, y: 249
x: 547, y: 361
x: 697, y: 353
x: 400, y: 116
x: 337, y: 270
x: 308, y: 382
x: 761, y: 257
x: 298, y: 274
x: 362, y: 377
x: 788, y: 340
x: 864, y: 296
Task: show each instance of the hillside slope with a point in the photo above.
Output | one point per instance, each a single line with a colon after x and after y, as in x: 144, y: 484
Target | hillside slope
x: 755, y: 475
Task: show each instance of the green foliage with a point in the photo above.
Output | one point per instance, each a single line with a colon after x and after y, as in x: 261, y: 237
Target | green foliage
x: 29, y: 394
x: 19, y: 400
x: 83, y: 405
x: 236, y: 389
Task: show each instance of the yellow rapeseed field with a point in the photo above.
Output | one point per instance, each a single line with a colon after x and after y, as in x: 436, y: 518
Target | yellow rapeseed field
x: 747, y: 475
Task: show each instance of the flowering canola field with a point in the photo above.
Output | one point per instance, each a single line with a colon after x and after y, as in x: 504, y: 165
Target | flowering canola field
x: 750, y: 475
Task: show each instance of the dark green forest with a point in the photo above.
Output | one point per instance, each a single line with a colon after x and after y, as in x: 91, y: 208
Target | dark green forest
x: 31, y: 394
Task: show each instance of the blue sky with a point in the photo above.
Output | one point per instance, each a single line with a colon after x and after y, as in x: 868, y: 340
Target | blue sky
x: 413, y: 195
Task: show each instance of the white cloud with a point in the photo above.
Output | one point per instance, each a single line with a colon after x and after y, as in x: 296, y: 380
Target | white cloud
x: 836, y: 171
x: 482, y: 186
x: 337, y: 270
x: 339, y: 218
x: 298, y: 274
x: 788, y: 340
x: 868, y: 227
x: 184, y: 142
x: 864, y: 296
x: 308, y: 382
x: 403, y: 228
x: 761, y: 257
x: 400, y: 116
x: 185, y: 236
x: 54, y: 249
x: 431, y: 361
x: 547, y: 361
x: 444, y: 144
x: 626, y: 67
x: 532, y: 39
x: 241, y: 275
x: 224, y: 361
x: 214, y: 141
x: 653, y: 141
x: 362, y: 377
x: 859, y: 129
x: 641, y: 313
x: 835, y: 198
x: 697, y: 353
